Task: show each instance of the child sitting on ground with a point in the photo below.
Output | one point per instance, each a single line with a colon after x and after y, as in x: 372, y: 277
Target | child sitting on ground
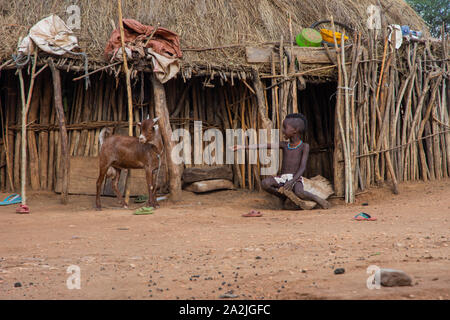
x: 295, y: 158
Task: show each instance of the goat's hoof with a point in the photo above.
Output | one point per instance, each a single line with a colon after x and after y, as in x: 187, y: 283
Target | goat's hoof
x: 98, y: 209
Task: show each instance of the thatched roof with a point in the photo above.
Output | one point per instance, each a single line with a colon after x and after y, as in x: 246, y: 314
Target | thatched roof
x: 200, y: 23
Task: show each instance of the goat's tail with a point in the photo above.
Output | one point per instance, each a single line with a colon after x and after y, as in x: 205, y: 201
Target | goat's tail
x: 104, y: 133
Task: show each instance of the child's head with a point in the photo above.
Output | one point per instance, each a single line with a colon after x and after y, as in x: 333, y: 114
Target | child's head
x: 297, y: 121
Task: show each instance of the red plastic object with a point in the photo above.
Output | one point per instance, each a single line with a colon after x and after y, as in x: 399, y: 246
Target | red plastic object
x: 23, y: 208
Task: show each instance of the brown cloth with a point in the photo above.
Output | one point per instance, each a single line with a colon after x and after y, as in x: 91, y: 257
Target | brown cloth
x: 164, y: 41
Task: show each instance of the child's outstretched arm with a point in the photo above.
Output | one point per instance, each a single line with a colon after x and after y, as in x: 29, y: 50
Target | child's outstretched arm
x: 251, y: 147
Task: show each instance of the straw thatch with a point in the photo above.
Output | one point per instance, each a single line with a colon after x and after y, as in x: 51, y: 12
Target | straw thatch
x: 200, y: 23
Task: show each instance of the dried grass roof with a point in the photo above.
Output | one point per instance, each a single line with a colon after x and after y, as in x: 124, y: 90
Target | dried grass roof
x: 200, y: 23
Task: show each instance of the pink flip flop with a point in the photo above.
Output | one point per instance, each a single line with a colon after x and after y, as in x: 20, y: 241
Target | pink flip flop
x: 23, y: 208
x: 252, y: 213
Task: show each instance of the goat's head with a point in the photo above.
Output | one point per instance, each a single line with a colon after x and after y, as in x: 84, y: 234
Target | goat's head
x: 150, y: 132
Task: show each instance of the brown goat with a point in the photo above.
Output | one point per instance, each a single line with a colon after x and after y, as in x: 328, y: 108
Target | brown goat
x: 123, y: 152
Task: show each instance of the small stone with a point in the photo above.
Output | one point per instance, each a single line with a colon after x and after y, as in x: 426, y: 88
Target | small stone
x: 228, y: 296
x: 17, y: 285
x: 339, y: 271
x: 257, y: 257
x: 394, y: 278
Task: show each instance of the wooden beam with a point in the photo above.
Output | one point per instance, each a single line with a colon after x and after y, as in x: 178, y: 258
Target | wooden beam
x: 258, y: 54
x: 161, y: 110
x: 266, y: 123
x: 25, y: 108
x: 306, y: 55
x: 62, y: 131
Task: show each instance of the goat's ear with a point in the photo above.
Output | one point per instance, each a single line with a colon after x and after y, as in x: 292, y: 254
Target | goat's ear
x: 138, y: 124
x: 155, y: 119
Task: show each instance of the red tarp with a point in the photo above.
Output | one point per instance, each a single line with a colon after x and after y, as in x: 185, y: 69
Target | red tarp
x: 164, y: 42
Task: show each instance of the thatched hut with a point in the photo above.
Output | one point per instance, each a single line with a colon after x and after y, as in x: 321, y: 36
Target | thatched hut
x: 373, y: 118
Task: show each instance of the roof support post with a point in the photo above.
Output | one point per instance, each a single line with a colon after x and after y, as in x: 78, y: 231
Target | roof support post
x: 62, y: 131
x: 175, y: 170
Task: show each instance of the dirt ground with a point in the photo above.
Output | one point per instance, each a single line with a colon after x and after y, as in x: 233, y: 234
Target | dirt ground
x: 201, y: 248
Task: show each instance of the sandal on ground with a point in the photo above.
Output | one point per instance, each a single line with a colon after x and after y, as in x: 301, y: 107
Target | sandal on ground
x: 253, y: 213
x: 23, y: 208
x: 364, y: 217
x: 144, y: 211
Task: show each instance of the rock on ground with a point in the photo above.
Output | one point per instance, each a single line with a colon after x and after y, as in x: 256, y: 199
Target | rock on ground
x: 394, y: 278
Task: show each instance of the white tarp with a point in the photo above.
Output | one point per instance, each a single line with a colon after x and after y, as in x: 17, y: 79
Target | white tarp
x: 164, y: 68
x: 396, y: 32
x: 50, y: 35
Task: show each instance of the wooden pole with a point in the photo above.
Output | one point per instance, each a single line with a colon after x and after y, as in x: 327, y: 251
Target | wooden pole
x: 25, y: 107
x: 292, y: 69
x: 46, y: 103
x: 32, y: 117
x: 62, y: 132
x: 23, y: 175
x: 8, y: 171
x: 262, y: 110
x: 130, y: 101
x: 175, y: 170
x: 348, y: 166
x: 340, y: 149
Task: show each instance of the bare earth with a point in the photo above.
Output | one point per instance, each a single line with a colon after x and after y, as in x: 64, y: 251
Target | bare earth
x: 201, y: 247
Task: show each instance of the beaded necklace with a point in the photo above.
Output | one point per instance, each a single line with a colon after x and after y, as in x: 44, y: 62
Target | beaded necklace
x: 292, y: 148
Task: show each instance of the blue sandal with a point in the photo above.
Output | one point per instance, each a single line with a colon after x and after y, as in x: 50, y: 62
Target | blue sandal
x: 364, y: 217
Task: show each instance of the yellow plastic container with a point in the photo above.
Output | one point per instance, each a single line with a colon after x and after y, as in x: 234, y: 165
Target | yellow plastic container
x: 327, y: 35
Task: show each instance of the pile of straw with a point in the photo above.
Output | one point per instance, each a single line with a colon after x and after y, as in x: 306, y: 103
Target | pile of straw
x: 200, y: 23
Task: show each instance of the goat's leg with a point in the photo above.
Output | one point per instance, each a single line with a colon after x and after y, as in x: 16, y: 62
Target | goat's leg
x: 101, y: 177
x: 115, y: 185
x: 151, y: 194
x: 155, y: 181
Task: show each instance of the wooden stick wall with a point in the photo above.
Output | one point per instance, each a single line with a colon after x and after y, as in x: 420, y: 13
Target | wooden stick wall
x: 399, y: 115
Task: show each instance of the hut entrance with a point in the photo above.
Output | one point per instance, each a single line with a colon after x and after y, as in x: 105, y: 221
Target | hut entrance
x: 317, y: 102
